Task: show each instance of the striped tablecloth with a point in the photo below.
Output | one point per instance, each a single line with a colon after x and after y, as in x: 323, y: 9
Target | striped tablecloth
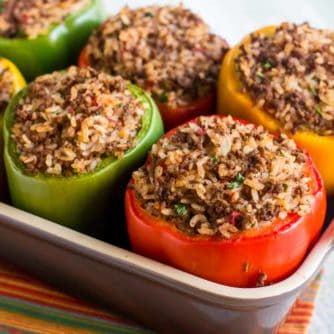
x: 30, y: 306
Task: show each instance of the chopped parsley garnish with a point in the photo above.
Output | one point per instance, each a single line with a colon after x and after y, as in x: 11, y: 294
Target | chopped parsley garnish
x: 260, y: 75
x: 163, y: 97
x: 313, y: 90
x: 239, y: 179
x: 149, y: 14
x: 318, y: 110
x: 214, y: 160
x: 180, y: 209
x: 267, y: 65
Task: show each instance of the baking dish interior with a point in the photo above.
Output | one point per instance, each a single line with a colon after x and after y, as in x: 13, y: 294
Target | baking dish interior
x: 116, y: 253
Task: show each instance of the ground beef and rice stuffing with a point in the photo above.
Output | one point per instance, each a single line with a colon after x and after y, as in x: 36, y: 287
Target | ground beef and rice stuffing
x: 166, y: 50
x: 218, y: 177
x: 67, y: 122
x: 7, y: 88
x: 291, y: 74
x: 31, y: 18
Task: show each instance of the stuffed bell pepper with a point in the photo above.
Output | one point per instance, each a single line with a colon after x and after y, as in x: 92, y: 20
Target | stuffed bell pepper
x: 168, y: 51
x: 11, y: 82
x: 227, y: 201
x: 70, y: 138
x: 282, y: 77
x: 40, y: 36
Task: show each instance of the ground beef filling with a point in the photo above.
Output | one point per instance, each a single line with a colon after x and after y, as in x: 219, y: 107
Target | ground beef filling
x: 69, y: 121
x: 218, y: 177
x: 291, y: 75
x: 167, y: 50
x: 31, y: 18
x: 7, y: 89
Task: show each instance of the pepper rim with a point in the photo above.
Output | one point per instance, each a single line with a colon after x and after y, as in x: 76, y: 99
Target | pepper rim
x: 53, y: 26
x: 10, y: 145
x: 281, y: 227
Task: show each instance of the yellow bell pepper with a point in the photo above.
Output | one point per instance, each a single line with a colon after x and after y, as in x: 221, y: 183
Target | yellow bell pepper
x: 232, y: 100
x: 18, y: 80
x: 18, y: 83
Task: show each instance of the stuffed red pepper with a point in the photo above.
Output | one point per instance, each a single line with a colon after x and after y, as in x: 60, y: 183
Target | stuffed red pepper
x: 166, y: 50
x: 225, y: 200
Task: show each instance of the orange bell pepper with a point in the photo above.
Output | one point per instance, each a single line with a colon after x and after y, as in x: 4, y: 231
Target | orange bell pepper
x: 232, y: 100
x: 276, y: 250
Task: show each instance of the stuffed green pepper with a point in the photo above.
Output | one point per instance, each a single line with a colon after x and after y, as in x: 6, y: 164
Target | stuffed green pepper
x: 72, y: 139
x: 40, y: 36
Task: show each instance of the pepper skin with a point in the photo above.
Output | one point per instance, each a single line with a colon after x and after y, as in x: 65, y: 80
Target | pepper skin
x: 57, y: 48
x: 275, y: 251
x: 173, y: 117
x: 18, y: 84
x: 79, y: 200
x: 18, y: 80
x: 232, y: 100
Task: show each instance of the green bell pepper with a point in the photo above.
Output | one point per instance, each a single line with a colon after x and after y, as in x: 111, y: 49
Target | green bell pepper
x: 79, y: 200
x: 58, y: 48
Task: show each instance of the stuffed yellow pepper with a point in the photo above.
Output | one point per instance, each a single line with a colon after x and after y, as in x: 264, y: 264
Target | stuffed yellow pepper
x: 11, y: 81
x: 282, y: 77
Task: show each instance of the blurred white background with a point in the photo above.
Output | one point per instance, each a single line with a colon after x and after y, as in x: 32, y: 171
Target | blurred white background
x: 233, y: 19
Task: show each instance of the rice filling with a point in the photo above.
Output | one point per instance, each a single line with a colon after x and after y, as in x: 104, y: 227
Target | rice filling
x: 7, y: 87
x: 166, y: 50
x: 291, y: 75
x: 32, y: 18
x: 67, y: 122
x: 219, y: 177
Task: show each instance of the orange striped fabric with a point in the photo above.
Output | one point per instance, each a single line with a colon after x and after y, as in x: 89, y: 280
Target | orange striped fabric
x: 30, y: 306
x: 300, y: 316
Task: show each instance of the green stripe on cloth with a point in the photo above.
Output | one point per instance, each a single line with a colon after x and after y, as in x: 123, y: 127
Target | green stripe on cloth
x: 66, y: 318
x: 12, y: 330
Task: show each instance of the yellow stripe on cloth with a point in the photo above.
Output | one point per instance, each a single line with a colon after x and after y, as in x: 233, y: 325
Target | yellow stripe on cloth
x: 38, y: 326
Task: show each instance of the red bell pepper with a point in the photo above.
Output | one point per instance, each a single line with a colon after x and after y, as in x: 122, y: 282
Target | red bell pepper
x: 173, y: 116
x: 273, y: 252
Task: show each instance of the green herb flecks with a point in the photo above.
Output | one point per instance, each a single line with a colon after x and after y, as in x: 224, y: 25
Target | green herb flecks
x: 239, y: 179
x: 180, y: 209
x: 267, y: 65
x: 163, y: 97
x: 313, y: 90
x: 260, y: 75
x: 214, y: 160
x: 318, y: 110
x: 149, y: 14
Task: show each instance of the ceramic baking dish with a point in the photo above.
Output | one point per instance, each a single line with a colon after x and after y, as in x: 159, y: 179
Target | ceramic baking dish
x: 158, y: 296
